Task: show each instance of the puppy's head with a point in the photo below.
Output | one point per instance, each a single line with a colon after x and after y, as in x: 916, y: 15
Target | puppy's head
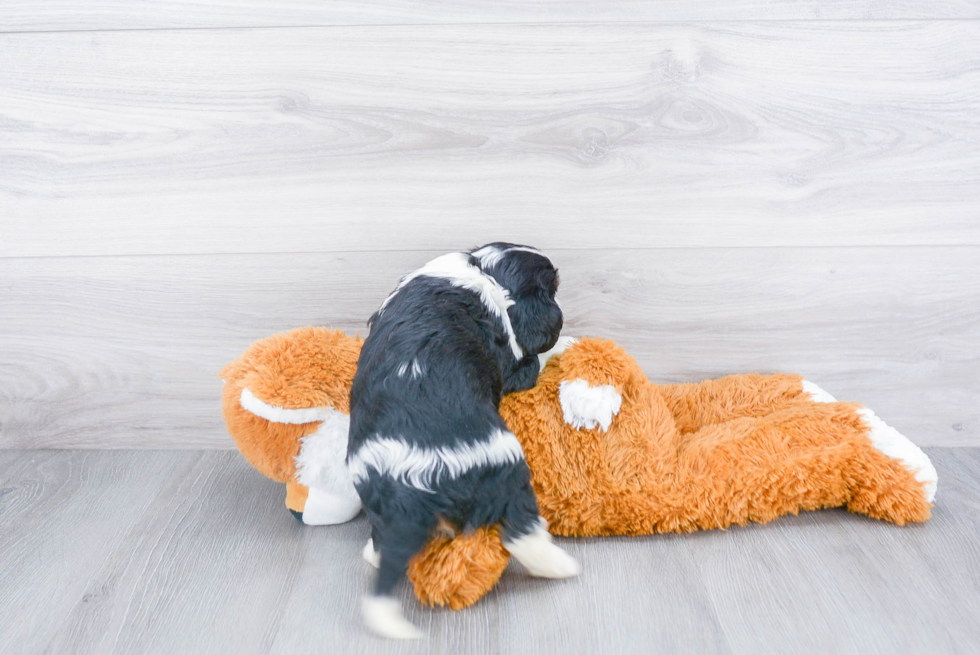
x: 532, y: 281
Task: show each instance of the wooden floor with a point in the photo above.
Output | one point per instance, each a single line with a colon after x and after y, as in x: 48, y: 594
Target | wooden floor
x: 193, y: 552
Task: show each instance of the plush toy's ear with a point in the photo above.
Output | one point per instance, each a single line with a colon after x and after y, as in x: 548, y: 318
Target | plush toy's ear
x: 458, y: 571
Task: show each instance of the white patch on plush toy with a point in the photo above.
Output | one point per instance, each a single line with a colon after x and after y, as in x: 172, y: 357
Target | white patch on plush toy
x: 817, y: 394
x: 893, y: 443
x: 541, y: 557
x: 321, y: 466
x: 276, y: 414
x: 370, y: 555
x: 383, y: 615
x: 328, y: 508
x: 889, y: 441
x: 585, y: 406
x: 560, y: 346
x: 455, y: 267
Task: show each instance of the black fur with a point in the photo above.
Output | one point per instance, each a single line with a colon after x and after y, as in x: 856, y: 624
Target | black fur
x: 467, y: 364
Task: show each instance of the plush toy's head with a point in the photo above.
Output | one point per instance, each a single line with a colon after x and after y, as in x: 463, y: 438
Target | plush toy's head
x: 286, y: 402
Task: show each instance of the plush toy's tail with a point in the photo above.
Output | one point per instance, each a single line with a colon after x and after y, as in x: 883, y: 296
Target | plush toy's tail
x: 898, y: 481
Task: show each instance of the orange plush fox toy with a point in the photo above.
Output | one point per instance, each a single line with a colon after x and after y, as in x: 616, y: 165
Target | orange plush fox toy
x: 610, y: 452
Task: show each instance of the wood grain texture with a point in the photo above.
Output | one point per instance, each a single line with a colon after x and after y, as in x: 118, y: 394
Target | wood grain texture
x: 419, y: 137
x: 123, y: 352
x: 193, y: 552
x: 58, y: 15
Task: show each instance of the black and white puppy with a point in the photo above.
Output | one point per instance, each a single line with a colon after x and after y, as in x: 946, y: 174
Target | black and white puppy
x: 427, y: 443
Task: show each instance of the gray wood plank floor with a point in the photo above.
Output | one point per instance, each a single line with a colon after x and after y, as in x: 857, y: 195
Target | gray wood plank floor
x: 193, y: 552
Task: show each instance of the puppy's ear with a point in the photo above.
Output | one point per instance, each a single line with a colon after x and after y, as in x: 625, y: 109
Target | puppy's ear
x: 537, y: 321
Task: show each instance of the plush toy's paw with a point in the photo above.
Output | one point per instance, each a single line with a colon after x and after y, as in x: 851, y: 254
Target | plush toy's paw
x: 560, y: 346
x: 541, y: 557
x: 370, y: 555
x: 889, y: 441
x: 329, y: 508
x: 457, y: 572
x: 586, y: 406
x: 383, y: 616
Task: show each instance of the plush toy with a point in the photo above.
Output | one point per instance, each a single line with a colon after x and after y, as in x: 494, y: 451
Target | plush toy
x: 610, y: 452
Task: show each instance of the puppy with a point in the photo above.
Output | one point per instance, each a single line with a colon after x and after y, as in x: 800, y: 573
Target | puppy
x: 427, y: 445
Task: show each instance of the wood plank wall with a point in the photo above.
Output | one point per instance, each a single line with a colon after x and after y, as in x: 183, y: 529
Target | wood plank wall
x: 757, y: 186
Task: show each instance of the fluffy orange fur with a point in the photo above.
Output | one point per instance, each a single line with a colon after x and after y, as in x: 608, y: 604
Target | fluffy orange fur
x: 676, y: 458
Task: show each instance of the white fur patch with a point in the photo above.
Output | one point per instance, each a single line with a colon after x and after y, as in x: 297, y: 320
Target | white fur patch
x: 585, y: 406
x: 414, y: 366
x: 560, y: 346
x: 456, y: 268
x: 422, y: 468
x: 370, y: 555
x: 889, y: 441
x: 541, y: 557
x: 276, y: 414
x: 897, y: 446
x: 321, y: 466
x: 321, y: 459
x: 817, y: 394
x: 490, y: 255
x: 383, y: 616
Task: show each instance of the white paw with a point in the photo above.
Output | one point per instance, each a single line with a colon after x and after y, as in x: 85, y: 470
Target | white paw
x: 585, y: 406
x: 560, y: 346
x: 370, y: 555
x: 383, y: 616
x: 817, y: 394
x: 897, y: 446
x: 541, y: 557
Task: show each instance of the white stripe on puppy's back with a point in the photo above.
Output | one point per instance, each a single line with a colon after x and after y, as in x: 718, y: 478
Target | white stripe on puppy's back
x: 456, y: 269
x: 491, y: 255
x: 422, y: 468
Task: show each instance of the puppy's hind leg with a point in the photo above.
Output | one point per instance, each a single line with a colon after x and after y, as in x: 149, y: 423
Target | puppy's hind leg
x: 526, y: 537
x: 382, y: 612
